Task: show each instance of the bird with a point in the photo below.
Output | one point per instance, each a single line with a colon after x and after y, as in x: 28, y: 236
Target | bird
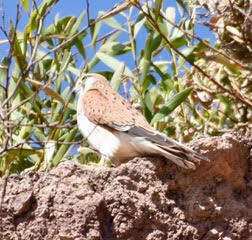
x: 118, y: 131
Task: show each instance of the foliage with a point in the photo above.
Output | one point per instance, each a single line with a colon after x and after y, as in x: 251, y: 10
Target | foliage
x: 233, y: 26
x: 199, y: 89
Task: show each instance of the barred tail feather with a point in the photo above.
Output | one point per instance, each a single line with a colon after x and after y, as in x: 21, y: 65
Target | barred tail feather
x: 180, y: 161
x: 183, y: 157
x: 169, y: 148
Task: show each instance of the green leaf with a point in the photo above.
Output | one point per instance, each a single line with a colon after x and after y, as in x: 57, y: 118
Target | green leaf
x: 156, y: 42
x: 45, y: 5
x: 39, y: 134
x: 64, y: 148
x: 95, y: 29
x: 111, y: 22
x: 115, y: 36
x: 68, y: 28
x: 61, y: 24
x: 49, y: 151
x: 182, y: 5
x: 186, y: 51
x: 74, y: 70
x: 26, y: 131
x: 17, y: 50
x: 138, y: 26
x: 172, y: 104
x: 62, y: 69
x: 170, y: 14
x: 161, y: 65
x: 177, y: 34
x: 113, y: 63
x: 179, y: 42
x: 147, y: 81
x: 117, y: 76
x: 25, y: 4
x: 78, y: 23
x: 47, y: 90
x: 3, y: 74
x: 163, y: 28
x: 37, y: 14
x: 147, y: 56
x: 23, y: 152
x: 95, y: 60
x: 87, y: 155
x: 114, y: 48
x: 158, y: 6
x: 78, y: 43
x: 148, y: 102
x: 55, y: 113
x: 19, y: 158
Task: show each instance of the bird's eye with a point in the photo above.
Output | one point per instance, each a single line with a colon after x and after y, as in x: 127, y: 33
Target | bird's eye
x: 84, y: 78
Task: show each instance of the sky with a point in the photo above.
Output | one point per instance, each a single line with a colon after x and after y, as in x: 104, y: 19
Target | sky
x: 76, y: 7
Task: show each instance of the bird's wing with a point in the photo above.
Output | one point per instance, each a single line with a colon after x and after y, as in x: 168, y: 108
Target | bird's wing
x: 112, y: 110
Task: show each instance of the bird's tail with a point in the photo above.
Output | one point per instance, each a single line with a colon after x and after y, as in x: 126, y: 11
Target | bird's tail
x: 170, y: 149
x: 181, y: 155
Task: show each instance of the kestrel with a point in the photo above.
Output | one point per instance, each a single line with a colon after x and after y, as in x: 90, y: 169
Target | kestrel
x: 118, y: 131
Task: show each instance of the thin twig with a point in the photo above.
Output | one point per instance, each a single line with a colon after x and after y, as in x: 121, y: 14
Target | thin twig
x: 117, y: 9
x: 42, y: 143
x: 3, y: 14
x: 50, y: 125
x: 88, y: 14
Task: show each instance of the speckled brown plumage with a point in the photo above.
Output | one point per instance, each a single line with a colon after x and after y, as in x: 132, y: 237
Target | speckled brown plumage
x: 105, y: 107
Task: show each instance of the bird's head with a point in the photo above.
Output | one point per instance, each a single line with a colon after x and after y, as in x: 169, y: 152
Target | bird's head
x: 90, y: 81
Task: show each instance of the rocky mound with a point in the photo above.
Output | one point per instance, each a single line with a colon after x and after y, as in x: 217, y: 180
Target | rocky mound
x: 147, y: 198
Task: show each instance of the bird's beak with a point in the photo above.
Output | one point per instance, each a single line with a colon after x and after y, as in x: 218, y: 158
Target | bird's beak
x: 80, y: 82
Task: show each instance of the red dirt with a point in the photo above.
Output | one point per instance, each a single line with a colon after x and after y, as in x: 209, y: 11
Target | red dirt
x: 146, y: 198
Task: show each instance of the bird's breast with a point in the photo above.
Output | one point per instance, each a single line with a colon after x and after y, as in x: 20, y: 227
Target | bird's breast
x: 99, y: 137
x: 116, y: 145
